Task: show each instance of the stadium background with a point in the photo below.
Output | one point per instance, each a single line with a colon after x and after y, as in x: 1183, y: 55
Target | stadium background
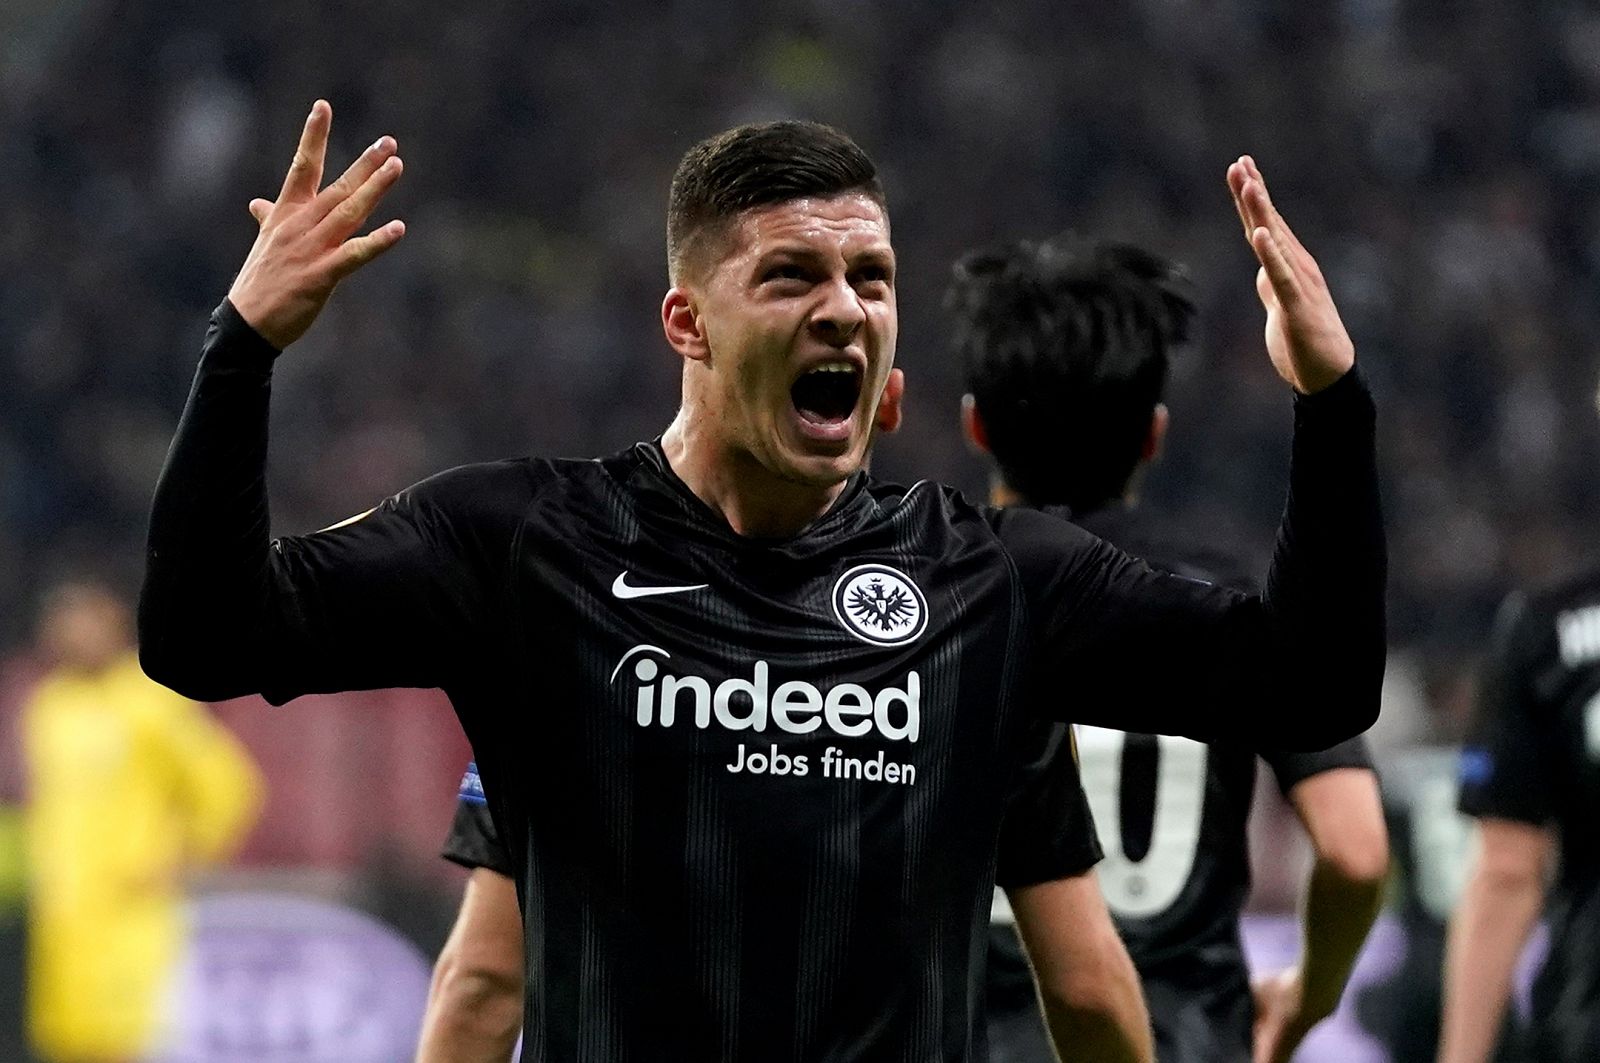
x: 1438, y: 156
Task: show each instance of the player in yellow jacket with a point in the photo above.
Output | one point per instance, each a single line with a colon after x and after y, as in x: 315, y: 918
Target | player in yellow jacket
x: 130, y: 786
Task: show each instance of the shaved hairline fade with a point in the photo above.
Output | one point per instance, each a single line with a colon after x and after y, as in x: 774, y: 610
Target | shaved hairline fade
x: 752, y: 166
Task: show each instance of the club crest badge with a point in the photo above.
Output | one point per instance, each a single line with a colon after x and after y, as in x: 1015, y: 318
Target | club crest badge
x: 880, y: 605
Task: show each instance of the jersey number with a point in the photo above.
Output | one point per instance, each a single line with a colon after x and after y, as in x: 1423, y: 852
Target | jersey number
x: 1147, y: 886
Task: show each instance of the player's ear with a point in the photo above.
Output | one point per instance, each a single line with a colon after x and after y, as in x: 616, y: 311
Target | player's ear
x: 1157, y: 436
x: 972, y: 426
x: 683, y: 324
x: 887, y: 419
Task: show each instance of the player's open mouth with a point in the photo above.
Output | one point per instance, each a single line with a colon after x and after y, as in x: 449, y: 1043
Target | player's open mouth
x: 825, y: 396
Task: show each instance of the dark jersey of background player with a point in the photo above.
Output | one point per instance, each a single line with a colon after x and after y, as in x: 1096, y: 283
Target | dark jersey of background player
x: 1534, y: 757
x: 473, y: 841
x: 751, y: 788
x: 1050, y: 333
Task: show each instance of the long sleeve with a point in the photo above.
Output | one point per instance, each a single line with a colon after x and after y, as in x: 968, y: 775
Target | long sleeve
x: 1125, y: 646
x: 400, y: 596
x: 206, y: 561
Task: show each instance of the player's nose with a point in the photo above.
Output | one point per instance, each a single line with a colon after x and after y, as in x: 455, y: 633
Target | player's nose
x: 839, y: 316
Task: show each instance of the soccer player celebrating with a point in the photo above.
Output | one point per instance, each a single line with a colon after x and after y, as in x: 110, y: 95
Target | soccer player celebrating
x: 1530, y: 774
x: 1066, y: 345
x: 748, y: 718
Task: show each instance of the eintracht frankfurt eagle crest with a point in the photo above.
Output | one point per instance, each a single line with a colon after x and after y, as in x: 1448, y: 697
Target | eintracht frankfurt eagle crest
x: 879, y: 604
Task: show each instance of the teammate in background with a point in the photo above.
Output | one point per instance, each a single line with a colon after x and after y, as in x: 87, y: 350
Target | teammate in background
x: 1432, y: 844
x: 129, y: 787
x: 720, y: 686
x: 1066, y: 346
x: 475, y: 1000
x: 1082, y: 978
x: 1530, y: 773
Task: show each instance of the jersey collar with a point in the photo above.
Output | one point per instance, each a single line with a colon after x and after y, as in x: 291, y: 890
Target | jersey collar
x: 854, y: 504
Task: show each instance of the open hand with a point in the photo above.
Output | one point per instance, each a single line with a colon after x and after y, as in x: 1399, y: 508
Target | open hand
x: 1306, y: 340
x: 1281, y: 1023
x: 307, y: 243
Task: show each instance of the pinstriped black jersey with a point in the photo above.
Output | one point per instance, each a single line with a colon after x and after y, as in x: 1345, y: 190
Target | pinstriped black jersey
x: 751, y: 790
x: 1047, y: 834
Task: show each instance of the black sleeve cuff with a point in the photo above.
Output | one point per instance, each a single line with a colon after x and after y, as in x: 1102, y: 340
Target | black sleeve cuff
x: 1347, y: 396
x: 1048, y: 864
x: 474, y: 841
x: 1292, y: 769
x: 231, y: 340
x: 472, y: 860
x: 1518, y: 809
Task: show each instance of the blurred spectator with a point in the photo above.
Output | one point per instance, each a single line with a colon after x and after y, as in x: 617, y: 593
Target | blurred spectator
x: 129, y: 787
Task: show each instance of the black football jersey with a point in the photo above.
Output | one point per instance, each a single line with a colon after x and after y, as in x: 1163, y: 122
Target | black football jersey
x: 1046, y: 834
x: 1534, y: 756
x: 751, y: 789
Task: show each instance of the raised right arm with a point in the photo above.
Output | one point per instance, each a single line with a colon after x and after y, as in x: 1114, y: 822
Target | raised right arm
x: 395, y: 597
x: 207, y: 580
x: 386, y: 600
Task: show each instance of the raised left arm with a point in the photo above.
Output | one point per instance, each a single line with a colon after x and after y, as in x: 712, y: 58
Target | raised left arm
x: 1298, y: 668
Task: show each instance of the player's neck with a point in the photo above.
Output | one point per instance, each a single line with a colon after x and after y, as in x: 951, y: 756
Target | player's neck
x: 737, y: 488
x: 1003, y: 495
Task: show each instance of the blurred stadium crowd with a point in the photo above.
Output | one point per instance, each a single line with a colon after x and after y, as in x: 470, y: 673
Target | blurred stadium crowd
x: 1437, y: 155
x: 1434, y: 152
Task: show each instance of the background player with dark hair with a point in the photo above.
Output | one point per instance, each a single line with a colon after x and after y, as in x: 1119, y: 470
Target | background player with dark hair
x: 1530, y: 773
x: 746, y: 717
x: 1066, y: 347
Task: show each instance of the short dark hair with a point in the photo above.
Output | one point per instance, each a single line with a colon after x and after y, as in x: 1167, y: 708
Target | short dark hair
x: 1065, y: 345
x: 756, y: 165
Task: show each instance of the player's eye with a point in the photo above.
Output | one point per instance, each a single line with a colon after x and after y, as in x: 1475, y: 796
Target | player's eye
x: 786, y: 271
x: 872, y: 274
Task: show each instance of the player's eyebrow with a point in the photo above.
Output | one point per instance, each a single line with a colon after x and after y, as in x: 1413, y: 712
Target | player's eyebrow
x: 877, y: 255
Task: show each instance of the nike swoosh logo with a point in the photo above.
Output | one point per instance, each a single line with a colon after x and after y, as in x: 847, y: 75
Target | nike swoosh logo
x: 622, y: 589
